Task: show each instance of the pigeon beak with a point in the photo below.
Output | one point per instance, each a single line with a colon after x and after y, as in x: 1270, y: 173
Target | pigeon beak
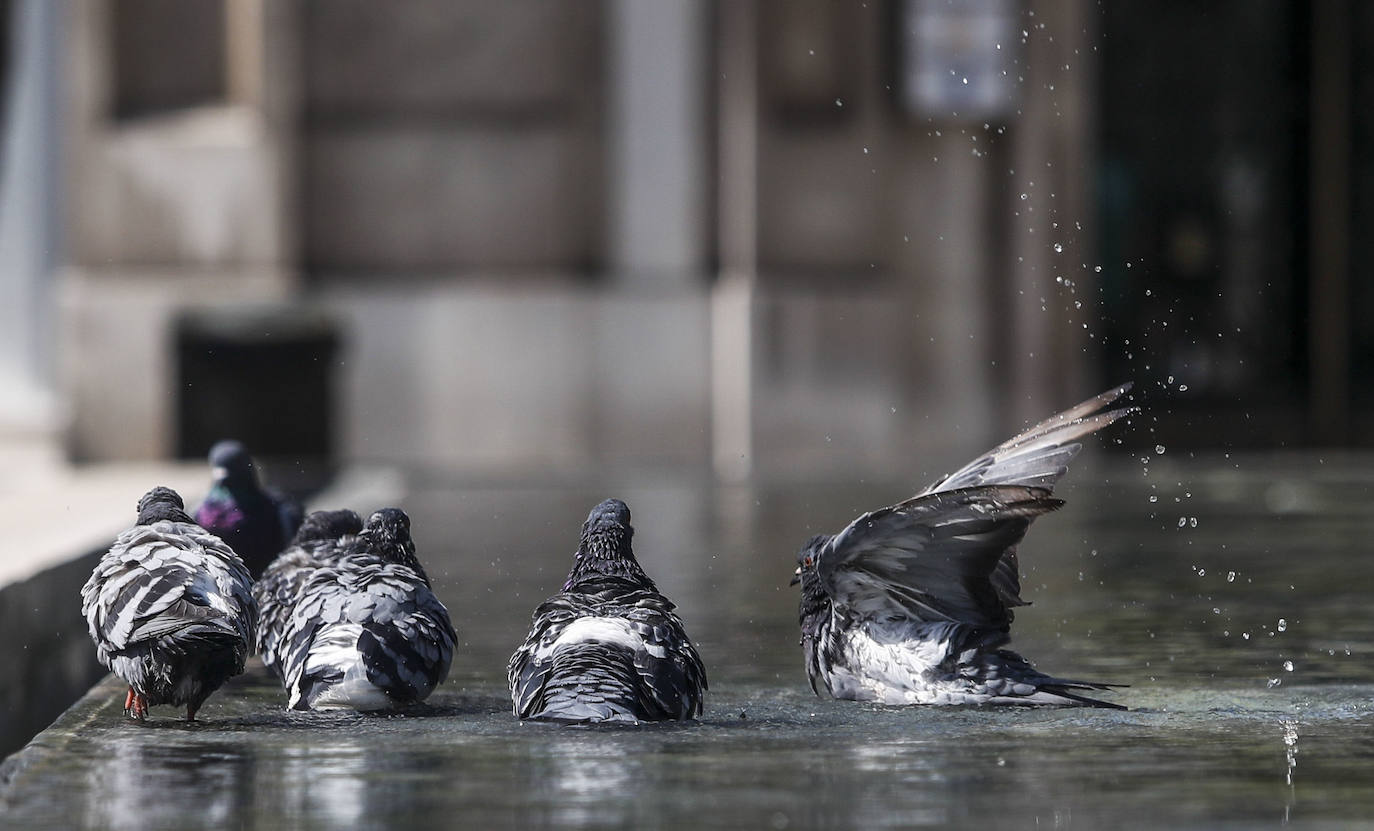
x: 796, y: 577
x: 219, y: 473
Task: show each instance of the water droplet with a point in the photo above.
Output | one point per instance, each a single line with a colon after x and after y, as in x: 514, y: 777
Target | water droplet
x: 1274, y: 682
x: 1182, y: 521
x: 1097, y: 268
x: 1154, y: 498
x: 1231, y: 578
x: 839, y: 103
x: 1287, y: 666
x: 1058, y: 249
x: 1159, y: 449
x: 1290, y: 734
x: 1283, y: 625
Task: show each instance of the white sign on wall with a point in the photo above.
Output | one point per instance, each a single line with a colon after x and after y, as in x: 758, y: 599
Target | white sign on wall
x: 958, y: 58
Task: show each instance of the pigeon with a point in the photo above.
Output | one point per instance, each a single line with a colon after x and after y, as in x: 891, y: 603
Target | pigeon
x: 277, y: 591
x: 608, y: 647
x: 256, y: 522
x: 365, y: 630
x: 170, y: 608
x: 912, y: 604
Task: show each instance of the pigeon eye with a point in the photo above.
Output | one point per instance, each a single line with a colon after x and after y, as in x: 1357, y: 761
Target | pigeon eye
x: 808, y: 561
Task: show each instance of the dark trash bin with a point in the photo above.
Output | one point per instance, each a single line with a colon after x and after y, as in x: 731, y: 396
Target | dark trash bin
x: 261, y: 375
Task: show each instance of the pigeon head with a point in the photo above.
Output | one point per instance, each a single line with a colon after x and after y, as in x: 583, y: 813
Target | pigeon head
x: 231, y: 464
x: 390, y: 525
x: 610, y: 513
x: 387, y: 536
x: 814, y: 603
x: 327, y: 525
x: 161, y: 503
x: 605, y: 547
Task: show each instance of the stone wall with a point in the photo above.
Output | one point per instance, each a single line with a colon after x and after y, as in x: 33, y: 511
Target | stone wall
x: 47, y: 654
x: 445, y: 137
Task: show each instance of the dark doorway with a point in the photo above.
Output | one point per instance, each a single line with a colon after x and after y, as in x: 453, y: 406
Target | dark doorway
x: 1203, y: 195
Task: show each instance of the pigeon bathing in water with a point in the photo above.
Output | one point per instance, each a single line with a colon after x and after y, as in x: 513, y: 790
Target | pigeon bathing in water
x: 357, y: 624
x: 170, y: 608
x: 912, y: 604
x: 257, y: 523
x: 279, y: 589
x: 607, y: 648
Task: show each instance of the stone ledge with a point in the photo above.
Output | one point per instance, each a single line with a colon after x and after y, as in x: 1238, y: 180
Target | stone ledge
x: 47, y: 654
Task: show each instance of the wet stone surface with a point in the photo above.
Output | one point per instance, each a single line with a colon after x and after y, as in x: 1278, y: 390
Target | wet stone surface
x: 1219, y: 731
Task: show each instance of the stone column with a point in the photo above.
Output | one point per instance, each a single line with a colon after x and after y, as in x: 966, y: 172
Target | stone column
x: 732, y: 301
x: 1051, y: 206
x: 657, y: 150
x: 28, y: 226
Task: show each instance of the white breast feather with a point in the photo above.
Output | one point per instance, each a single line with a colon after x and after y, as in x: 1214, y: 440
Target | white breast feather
x: 894, y: 671
x: 604, y: 630
x: 336, y: 648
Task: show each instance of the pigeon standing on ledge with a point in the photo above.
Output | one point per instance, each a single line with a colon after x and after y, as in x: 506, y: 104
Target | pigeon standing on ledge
x: 364, y: 629
x: 257, y: 523
x: 607, y: 648
x: 912, y: 604
x: 170, y: 608
x: 318, y: 542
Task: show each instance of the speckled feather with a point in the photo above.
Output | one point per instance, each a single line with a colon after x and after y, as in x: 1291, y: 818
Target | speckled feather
x: 912, y: 604
x: 609, y: 647
x: 317, y: 543
x: 366, y: 631
x: 169, y: 606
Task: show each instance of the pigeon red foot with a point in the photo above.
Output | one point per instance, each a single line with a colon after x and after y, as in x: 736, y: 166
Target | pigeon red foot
x: 135, y: 705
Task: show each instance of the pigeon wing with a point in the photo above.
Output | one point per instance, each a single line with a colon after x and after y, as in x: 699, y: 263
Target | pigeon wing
x: 277, y: 592
x: 531, y: 666
x: 1038, y: 457
x: 322, y: 600
x: 936, y: 557
x: 672, y: 676
x: 165, y: 580
x: 407, y: 638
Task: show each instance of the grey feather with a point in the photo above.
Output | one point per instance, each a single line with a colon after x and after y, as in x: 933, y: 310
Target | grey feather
x: 170, y: 607
x: 609, y: 647
x: 912, y: 604
x: 357, y: 624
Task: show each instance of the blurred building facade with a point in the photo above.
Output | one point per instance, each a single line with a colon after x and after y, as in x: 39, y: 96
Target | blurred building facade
x: 768, y: 235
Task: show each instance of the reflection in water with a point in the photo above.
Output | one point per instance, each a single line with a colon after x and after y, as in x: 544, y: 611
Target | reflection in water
x: 586, y: 779
x: 144, y: 782
x: 323, y: 782
x: 907, y: 785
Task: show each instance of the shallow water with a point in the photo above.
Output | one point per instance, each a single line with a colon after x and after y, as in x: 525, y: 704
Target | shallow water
x: 1219, y: 731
